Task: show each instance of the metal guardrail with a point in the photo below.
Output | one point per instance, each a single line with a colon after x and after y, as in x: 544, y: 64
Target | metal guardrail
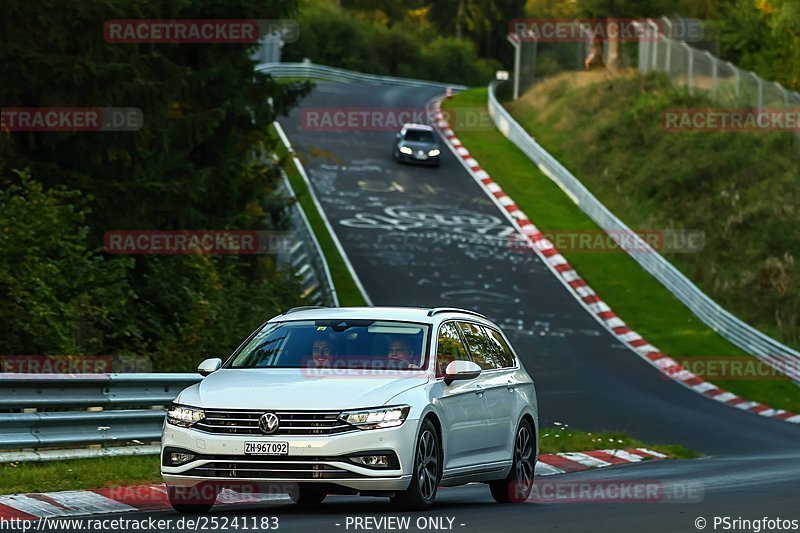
x: 43, y: 412
x: 105, y: 408
x: 782, y: 358
x: 322, y: 72
x: 305, y: 258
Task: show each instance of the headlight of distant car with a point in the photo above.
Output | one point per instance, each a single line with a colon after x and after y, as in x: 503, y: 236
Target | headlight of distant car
x: 382, y: 417
x: 181, y: 415
x: 406, y: 150
x: 434, y: 152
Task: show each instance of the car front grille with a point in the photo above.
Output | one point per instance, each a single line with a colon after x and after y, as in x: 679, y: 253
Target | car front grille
x: 300, y: 423
x: 272, y: 468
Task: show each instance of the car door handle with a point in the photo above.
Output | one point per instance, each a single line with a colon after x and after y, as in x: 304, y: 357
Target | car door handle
x: 478, y: 390
x: 510, y: 385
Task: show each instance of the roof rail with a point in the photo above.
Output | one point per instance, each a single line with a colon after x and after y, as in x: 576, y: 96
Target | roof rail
x: 437, y: 310
x: 305, y: 308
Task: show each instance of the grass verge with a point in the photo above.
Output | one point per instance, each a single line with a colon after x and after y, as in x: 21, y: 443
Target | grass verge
x: 632, y: 293
x: 346, y: 288
x: 563, y: 439
x: 78, y: 474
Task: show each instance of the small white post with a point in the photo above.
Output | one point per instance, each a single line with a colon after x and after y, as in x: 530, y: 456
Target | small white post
x: 738, y: 78
x: 517, y: 45
x: 760, y: 97
x: 713, y: 75
x: 690, y: 66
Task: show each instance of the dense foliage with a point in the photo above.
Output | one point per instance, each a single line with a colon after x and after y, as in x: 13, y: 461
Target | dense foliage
x: 191, y: 166
x: 410, y: 46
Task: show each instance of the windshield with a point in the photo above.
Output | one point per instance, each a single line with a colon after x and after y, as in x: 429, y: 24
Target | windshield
x: 423, y: 136
x: 364, y: 344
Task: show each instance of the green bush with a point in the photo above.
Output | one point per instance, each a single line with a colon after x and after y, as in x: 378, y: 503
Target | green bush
x: 335, y: 37
x: 59, y: 296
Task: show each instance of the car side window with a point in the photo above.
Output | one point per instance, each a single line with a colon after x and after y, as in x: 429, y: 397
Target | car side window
x: 479, y: 347
x: 503, y: 355
x: 449, y: 347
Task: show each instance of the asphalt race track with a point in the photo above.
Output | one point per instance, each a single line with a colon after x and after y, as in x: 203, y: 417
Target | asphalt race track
x: 424, y: 236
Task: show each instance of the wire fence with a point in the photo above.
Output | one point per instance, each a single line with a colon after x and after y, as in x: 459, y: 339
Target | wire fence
x: 537, y: 59
x: 304, y: 258
x: 699, y: 70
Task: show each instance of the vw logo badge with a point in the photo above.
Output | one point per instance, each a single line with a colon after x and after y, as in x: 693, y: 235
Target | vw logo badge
x: 268, y: 423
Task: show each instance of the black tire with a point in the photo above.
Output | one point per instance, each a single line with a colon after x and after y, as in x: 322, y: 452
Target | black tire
x: 517, y: 486
x: 308, y: 495
x: 198, y: 499
x: 427, y: 471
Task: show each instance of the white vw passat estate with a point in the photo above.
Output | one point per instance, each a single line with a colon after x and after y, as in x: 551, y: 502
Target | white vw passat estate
x: 378, y: 401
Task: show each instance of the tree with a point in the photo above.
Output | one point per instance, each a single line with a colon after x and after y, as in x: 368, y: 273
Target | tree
x: 191, y: 166
x: 613, y: 10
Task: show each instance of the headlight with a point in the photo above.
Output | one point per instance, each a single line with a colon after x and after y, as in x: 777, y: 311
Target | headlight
x: 406, y: 150
x: 383, y: 417
x: 181, y: 415
x: 434, y: 152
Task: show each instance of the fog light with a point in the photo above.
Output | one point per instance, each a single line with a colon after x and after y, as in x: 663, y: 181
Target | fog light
x: 375, y: 461
x: 178, y: 458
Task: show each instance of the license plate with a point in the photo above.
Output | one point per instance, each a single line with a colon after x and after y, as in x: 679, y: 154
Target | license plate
x: 266, y: 448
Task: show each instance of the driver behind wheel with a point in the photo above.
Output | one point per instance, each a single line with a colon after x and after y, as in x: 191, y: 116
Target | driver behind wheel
x: 400, y: 353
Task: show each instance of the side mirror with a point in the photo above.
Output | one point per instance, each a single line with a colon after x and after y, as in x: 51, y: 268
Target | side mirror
x: 457, y: 370
x: 399, y: 135
x: 209, y: 366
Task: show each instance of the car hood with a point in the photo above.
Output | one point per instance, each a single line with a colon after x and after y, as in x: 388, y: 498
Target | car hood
x: 419, y: 145
x: 289, y: 388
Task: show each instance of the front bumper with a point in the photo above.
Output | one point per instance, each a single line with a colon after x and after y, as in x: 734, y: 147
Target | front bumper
x: 418, y: 158
x: 311, y: 459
